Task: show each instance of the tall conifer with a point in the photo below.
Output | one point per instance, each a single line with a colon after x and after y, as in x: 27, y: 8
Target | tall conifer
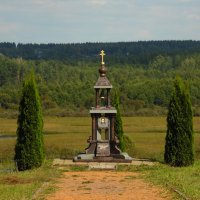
x: 179, y: 146
x: 118, y: 123
x: 29, y: 149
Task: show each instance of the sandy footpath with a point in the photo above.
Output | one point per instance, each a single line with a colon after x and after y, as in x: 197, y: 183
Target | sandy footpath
x: 106, y: 185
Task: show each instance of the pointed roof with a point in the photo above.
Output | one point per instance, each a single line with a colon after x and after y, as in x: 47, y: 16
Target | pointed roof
x: 102, y: 81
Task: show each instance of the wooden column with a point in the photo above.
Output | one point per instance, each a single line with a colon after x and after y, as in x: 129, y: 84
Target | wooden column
x: 93, y: 127
x: 112, y: 128
x: 108, y: 97
x: 97, y: 97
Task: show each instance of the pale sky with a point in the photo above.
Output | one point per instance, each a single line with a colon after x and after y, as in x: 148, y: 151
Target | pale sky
x: 69, y: 21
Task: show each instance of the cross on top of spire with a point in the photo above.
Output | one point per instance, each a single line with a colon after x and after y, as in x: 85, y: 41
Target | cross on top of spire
x: 102, y: 54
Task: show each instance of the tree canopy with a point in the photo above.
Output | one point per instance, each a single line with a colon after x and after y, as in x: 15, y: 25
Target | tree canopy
x: 143, y: 75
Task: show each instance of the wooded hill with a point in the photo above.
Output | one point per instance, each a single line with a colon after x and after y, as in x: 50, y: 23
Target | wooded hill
x: 141, y: 52
x: 143, y: 72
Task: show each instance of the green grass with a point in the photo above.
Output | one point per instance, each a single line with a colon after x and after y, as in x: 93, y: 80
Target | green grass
x: 27, y: 184
x: 64, y: 137
x: 185, y: 180
x: 8, y: 126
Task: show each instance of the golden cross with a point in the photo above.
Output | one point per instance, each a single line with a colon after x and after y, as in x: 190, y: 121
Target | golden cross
x: 102, y: 54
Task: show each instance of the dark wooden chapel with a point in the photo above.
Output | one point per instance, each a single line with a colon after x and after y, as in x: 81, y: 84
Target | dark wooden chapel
x: 103, y: 142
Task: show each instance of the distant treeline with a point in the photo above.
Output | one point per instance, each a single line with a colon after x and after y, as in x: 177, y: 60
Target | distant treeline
x: 140, y: 52
x: 143, y: 72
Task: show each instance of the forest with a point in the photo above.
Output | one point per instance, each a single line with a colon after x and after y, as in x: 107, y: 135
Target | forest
x: 141, y: 52
x: 142, y: 72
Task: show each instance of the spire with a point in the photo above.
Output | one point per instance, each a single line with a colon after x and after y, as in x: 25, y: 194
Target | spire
x: 102, y: 69
x: 102, y: 54
x: 102, y: 81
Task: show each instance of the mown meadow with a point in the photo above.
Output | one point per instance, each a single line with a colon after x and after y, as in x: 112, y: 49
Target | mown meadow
x: 65, y: 137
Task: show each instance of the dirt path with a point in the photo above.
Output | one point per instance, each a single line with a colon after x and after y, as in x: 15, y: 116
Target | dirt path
x: 106, y: 185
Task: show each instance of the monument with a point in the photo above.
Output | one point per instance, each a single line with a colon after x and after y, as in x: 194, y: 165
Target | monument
x: 103, y: 143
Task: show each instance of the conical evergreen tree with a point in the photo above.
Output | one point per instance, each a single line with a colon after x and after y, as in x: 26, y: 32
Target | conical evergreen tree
x: 179, y: 146
x: 29, y: 149
x: 118, y: 123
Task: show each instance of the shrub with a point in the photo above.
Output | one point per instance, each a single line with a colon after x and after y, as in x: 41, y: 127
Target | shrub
x: 179, y: 146
x: 118, y: 123
x: 29, y: 149
x: 129, y: 146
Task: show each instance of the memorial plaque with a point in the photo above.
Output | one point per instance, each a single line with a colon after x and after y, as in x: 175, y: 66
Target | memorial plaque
x: 103, y: 123
x: 103, y: 149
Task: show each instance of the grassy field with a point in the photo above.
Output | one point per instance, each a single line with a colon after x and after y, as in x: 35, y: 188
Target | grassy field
x: 64, y: 137
x: 28, y: 185
x: 183, y: 182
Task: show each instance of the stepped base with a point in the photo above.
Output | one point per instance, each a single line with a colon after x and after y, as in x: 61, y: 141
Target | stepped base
x: 116, y: 158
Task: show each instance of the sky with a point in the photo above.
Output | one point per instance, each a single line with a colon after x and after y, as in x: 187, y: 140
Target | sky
x: 79, y: 21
